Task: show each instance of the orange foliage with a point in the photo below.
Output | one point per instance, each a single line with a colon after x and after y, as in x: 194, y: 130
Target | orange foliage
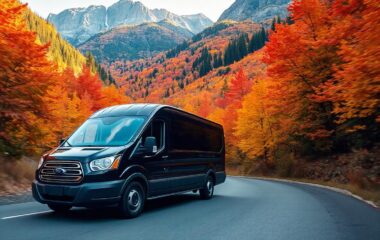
x: 299, y: 61
x: 40, y: 103
x: 25, y: 75
x: 88, y: 83
x: 112, y: 96
x: 356, y: 85
x: 318, y: 76
x: 322, y: 77
x: 240, y: 86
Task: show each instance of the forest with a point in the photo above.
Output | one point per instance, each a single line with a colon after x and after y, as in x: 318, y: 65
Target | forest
x: 47, y: 87
x: 287, y: 93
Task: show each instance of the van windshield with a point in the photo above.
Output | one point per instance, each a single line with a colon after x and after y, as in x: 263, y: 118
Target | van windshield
x: 106, y: 131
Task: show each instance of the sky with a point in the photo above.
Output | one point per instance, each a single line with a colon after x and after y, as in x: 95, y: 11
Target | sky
x: 211, y: 8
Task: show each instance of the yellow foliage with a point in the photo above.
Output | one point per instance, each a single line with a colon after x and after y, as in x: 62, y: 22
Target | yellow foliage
x: 254, y: 126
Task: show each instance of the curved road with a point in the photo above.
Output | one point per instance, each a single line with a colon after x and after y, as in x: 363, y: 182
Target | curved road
x: 241, y: 209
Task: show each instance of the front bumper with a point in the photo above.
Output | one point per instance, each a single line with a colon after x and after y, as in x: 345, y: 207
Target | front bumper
x: 86, y: 194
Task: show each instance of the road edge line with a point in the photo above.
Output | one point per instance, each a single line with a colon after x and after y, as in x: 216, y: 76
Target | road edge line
x: 26, y: 214
x: 335, y: 189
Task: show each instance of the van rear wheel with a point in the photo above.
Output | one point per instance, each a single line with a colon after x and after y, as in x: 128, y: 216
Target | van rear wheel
x: 208, y: 189
x: 59, y: 208
x: 133, y: 200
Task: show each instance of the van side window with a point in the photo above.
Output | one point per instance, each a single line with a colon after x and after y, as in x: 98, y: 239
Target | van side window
x: 194, y: 136
x: 156, y: 129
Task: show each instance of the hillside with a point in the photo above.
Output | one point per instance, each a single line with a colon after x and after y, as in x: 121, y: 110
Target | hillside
x: 135, y: 42
x: 157, y: 78
x: 60, y: 51
x: 79, y: 24
x: 281, y: 109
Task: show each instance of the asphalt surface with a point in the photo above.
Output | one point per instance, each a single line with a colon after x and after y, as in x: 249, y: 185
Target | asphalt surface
x: 241, y: 209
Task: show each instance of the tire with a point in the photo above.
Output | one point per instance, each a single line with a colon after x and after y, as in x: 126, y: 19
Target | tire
x: 59, y: 208
x: 208, y: 190
x: 133, y: 200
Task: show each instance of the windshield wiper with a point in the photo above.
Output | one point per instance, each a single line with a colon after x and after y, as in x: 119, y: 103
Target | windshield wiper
x: 67, y: 142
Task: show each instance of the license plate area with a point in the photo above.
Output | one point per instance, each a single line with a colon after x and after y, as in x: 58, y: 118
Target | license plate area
x: 54, y: 190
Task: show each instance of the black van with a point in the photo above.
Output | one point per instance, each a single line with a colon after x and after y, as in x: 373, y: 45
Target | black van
x: 124, y: 155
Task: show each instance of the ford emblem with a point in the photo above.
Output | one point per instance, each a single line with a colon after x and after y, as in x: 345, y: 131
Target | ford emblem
x: 59, y: 171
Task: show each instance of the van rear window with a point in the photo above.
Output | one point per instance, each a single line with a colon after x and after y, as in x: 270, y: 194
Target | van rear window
x: 190, y: 135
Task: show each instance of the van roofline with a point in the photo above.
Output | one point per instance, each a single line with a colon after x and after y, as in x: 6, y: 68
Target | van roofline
x: 141, y: 109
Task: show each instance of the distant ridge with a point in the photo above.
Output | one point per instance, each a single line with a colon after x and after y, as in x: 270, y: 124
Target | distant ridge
x: 135, y: 42
x: 79, y: 24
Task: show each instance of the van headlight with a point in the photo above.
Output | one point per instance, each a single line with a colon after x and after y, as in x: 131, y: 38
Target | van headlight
x: 105, y: 163
x: 40, y: 163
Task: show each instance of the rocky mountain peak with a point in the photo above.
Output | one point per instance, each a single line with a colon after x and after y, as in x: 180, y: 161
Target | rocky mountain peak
x: 79, y: 24
x: 255, y: 10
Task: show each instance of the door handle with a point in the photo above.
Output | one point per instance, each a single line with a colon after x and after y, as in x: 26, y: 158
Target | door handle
x: 166, y: 156
x: 166, y: 169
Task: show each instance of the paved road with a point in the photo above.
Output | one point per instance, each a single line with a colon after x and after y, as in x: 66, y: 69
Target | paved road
x: 241, y: 209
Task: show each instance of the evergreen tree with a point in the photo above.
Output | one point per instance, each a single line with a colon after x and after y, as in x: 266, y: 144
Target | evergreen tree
x: 258, y: 40
x: 203, y: 63
x: 90, y: 62
x: 242, y: 47
x: 273, y: 25
x: 236, y: 50
x: 111, y: 80
x: 279, y: 20
x: 175, y: 51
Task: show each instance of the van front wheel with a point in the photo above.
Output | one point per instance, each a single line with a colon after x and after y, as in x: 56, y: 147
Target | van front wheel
x: 208, y: 190
x: 132, y: 201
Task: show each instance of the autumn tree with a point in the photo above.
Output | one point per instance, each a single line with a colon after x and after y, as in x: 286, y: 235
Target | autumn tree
x: 67, y: 112
x: 205, y: 105
x: 254, y: 124
x: 299, y: 62
x: 113, y: 96
x: 355, y: 88
x: 90, y: 84
x: 239, y: 87
x: 25, y: 75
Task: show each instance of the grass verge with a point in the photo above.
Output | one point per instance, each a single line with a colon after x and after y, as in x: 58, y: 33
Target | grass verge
x: 16, y: 176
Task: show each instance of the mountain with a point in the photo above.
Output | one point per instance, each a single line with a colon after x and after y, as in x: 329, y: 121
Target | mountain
x: 170, y: 25
x: 60, y: 51
x: 135, y: 42
x: 159, y: 78
x: 194, y: 23
x: 255, y: 10
x: 79, y: 24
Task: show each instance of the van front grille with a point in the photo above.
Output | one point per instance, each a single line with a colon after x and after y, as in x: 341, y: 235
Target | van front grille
x: 61, y: 172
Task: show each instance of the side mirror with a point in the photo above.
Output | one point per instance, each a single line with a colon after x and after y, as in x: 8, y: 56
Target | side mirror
x: 150, y: 145
x: 61, y: 141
